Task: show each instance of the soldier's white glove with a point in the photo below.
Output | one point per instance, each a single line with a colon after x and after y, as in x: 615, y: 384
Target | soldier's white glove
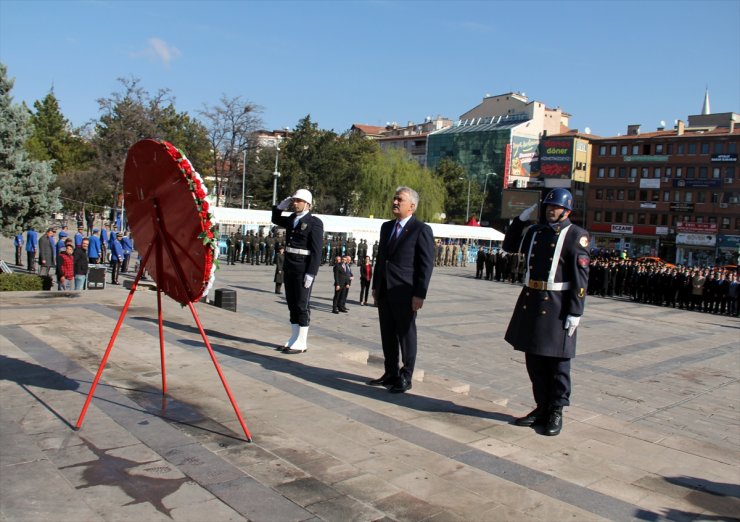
x: 285, y: 204
x: 528, y: 213
x: 571, y: 323
x: 307, y: 281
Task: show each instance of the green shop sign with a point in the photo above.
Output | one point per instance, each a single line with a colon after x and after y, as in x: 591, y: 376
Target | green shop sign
x: 643, y: 159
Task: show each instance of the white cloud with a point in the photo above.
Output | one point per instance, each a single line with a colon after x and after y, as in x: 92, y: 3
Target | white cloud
x: 160, y: 50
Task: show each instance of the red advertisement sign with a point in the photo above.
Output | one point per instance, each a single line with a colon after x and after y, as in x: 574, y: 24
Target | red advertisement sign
x: 697, y: 228
x: 507, y: 164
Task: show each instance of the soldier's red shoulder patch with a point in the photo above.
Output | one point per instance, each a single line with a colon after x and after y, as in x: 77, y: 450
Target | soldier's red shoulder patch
x: 583, y: 261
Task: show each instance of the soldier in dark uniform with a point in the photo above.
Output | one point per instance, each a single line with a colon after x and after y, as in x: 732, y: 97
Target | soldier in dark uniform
x: 269, y: 250
x: 480, y: 261
x: 549, y: 308
x: 303, y: 239
x: 279, y: 264
x: 375, y: 251
x: 230, y: 249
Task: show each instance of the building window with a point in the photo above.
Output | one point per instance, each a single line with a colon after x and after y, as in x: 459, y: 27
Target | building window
x: 730, y: 172
x: 732, y: 149
x: 715, y: 198
x: 602, y: 150
x: 613, y: 150
x: 679, y: 172
x: 646, y: 149
x: 656, y: 172
x: 659, y: 148
x: 607, y: 216
x: 630, y: 219
x: 631, y: 194
x: 668, y: 172
x: 718, y: 146
x: 688, y: 196
x: 666, y: 195
x: 692, y: 148
x: 654, y: 195
x: 669, y: 148
x: 680, y: 148
x: 644, y: 172
x: 620, y: 194
x: 624, y: 150
x: 633, y: 172
x: 689, y: 172
x: 676, y: 196
x: 725, y: 225
x: 674, y: 220
x: 701, y: 197
x: 699, y: 219
x: 597, y: 216
x: 612, y: 172
x: 712, y: 220
x: 622, y: 172
x: 618, y: 216
x: 664, y: 220
x: 643, y: 195
x: 601, y: 172
x: 737, y: 223
x: 703, y: 173
x: 635, y: 150
x: 609, y: 194
x: 705, y: 148
x: 653, y: 219
x: 716, y: 173
x: 599, y: 193
x: 641, y: 218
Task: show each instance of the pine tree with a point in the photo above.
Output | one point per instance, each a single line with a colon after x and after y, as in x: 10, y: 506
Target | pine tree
x: 26, y: 196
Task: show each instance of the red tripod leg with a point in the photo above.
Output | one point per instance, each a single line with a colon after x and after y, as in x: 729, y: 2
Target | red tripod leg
x: 159, y: 318
x: 112, y: 340
x: 220, y: 373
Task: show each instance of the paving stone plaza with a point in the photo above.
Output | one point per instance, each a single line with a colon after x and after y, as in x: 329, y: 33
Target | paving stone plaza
x: 653, y: 432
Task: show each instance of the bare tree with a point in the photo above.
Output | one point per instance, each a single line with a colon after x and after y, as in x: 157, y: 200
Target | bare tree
x: 230, y: 125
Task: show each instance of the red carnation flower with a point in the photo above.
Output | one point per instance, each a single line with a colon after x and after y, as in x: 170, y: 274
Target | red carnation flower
x: 204, y: 206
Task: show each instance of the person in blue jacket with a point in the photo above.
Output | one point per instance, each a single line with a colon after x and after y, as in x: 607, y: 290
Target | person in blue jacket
x: 128, y: 247
x: 32, y: 248
x: 79, y: 235
x: 116, y: 257
x: 104, y: 244
x: 60, y: 243
x: 93, y: 247
x: 18, y: 243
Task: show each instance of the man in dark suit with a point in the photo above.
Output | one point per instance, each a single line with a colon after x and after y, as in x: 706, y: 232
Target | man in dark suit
x: 304, y: 233
x: 341, y: 282
x: 549, y: 308
x: 400, y: 282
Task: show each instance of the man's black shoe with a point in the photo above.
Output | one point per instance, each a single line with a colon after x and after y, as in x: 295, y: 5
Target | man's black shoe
x: 292, y: 351
x: 384, y: 380
x: 554, y: 422
x: 344, y: 310
x: 335, y: 311
x: 535, y: 417
x: 403, y: 385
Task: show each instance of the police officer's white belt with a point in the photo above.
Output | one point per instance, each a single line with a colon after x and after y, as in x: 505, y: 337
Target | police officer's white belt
x: 299, y: 251
x: 544, y: 285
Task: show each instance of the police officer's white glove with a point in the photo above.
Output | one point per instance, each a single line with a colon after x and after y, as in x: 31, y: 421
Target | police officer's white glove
x: 307, y: 281
x: 285, y: 204
x: 571, y: 323
x: 528, y: 213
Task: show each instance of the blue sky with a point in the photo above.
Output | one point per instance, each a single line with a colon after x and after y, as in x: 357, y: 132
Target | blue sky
x: 609, y: 64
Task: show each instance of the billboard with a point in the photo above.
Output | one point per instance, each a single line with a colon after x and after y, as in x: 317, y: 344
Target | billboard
x: 514, y: 201
x: 524, y: 155
x: 556, y: 157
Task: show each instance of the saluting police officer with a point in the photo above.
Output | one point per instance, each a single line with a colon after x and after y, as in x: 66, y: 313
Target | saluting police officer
x: 549, y: 308
x: 304, y: 234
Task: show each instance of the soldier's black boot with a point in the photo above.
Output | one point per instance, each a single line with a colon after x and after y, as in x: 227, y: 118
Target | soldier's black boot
x: 535, y: 417
x: 554, y: 422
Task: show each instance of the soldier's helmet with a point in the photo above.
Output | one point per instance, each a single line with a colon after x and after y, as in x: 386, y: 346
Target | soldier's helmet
x: 560, y: 197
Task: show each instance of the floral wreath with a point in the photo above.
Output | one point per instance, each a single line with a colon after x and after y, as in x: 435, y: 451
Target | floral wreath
x: 208, y: 228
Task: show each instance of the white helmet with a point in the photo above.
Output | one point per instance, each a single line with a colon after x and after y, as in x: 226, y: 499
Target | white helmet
x: 303, y: 194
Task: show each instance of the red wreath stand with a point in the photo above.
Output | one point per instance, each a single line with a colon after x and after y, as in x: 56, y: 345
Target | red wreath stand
x: 165, y: 201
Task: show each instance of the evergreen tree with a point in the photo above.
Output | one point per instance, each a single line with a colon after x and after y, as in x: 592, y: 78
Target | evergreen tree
x: 26, y: 196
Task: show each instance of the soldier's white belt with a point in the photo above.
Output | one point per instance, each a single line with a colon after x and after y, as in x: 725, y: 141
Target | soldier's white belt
x: 544, y: 285
x: 299, y: 251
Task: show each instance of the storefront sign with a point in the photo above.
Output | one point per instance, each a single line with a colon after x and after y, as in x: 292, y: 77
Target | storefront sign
x: 682, y: 207
x: 661, y: 231
x: 647, y: 204
x: 524, y: 155
x: 697, y: 228
x: 621, y: 229
x: 726, y: 241
x: 697, y: 183
x: 650, y: 183
x: 556, y: 158
x: 645, y: 159
x: 724, y: 158
x: 696, y: 239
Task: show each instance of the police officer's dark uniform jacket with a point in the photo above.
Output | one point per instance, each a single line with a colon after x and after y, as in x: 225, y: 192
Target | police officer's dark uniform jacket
x: 555, y: 282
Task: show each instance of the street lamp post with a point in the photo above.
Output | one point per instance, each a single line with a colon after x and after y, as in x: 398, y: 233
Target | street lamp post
x: 467, y: 210
x: 483, y: 199
x: 244, y: 175
x: 276, y: 173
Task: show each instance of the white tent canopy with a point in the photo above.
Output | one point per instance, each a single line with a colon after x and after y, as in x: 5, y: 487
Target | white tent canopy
x: 357, y: 227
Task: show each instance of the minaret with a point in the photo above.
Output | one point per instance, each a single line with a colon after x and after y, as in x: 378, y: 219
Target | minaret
x: 705, y: 105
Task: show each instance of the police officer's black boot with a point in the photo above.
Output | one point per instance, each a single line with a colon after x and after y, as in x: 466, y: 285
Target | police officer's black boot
x: 537, y: 416
x: 554, y: 421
